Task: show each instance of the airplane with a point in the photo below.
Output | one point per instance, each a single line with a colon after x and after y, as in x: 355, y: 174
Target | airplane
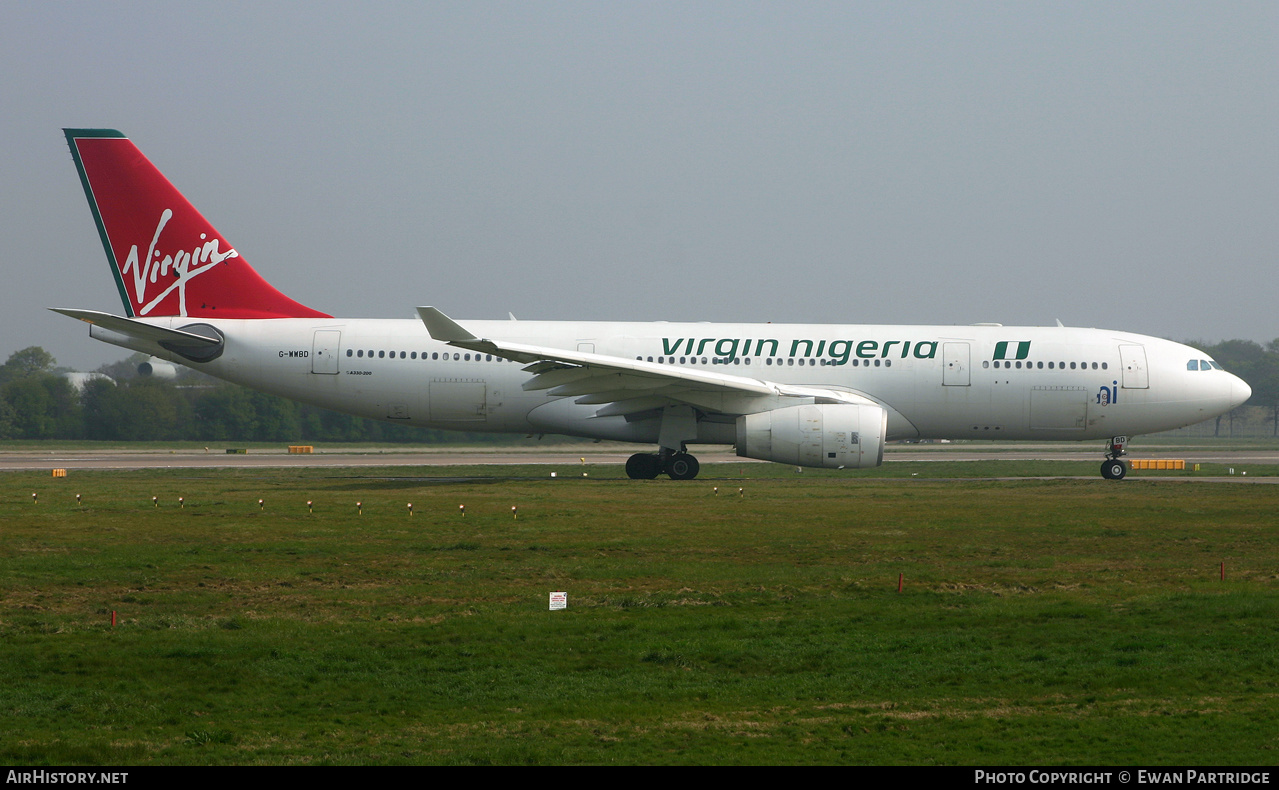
x: 812, y: 395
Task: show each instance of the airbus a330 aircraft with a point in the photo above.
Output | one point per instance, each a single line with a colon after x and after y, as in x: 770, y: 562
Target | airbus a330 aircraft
x: 821, y: 395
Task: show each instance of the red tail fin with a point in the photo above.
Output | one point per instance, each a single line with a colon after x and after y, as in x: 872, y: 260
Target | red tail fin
x: 167, y: 259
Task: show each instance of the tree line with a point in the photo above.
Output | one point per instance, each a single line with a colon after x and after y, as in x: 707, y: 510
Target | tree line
x: 38, y: 402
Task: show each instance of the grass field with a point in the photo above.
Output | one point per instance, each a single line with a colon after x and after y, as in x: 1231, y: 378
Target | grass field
x: 1062, y: 621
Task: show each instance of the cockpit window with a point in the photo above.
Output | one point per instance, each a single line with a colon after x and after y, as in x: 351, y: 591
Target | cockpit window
x: 1203, y: 364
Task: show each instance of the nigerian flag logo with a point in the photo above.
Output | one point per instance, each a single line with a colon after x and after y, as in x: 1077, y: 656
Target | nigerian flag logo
x: 1020, y: 349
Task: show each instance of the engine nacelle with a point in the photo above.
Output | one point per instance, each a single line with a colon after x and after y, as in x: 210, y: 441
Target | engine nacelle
x: 827, y: 435
x: 157, y: 368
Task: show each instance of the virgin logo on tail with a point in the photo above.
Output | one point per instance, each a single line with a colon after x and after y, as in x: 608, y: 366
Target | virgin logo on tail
x: 127, y: 194
x: 203, y: 257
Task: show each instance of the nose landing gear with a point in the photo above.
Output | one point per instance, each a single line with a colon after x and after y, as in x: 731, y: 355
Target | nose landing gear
x: 1113, y: 468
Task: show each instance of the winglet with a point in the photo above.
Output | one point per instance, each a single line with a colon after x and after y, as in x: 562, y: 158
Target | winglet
x: 443, y: 328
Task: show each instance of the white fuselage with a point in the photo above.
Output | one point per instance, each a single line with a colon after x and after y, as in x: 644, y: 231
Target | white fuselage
x: 935, y: 382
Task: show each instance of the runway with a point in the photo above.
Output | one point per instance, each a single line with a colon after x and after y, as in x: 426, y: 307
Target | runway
x: 570, y: 455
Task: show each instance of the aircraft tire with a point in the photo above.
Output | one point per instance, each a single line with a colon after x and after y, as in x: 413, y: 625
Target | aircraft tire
x: 682, y: 466
x: 643, y: 466
x: 1114, y: 469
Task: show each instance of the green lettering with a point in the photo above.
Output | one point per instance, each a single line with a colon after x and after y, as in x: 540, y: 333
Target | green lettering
x: 888, y: 343
x: 759, y: 347
x: 668, y: 347
x: 930, y: 353
x: 866, y: 349
x: 701, y: 347
x: 732, y: 347
x: 808, y: 350
x: 841, y: 357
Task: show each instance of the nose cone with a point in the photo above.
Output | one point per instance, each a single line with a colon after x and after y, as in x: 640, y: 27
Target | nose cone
x: 1240, y: 392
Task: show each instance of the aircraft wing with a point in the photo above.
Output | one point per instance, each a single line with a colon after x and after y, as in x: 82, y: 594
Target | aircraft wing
x: 626, y: 386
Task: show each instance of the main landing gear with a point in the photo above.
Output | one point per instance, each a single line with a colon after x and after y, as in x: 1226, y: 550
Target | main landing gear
x: 1113, y: 468
x: 646, y: 466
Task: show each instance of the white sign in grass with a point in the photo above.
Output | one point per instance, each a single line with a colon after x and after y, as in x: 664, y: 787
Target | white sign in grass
x: 559, y: 600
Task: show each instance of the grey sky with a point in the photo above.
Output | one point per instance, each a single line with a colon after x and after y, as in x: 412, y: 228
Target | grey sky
x: 1108, y: 164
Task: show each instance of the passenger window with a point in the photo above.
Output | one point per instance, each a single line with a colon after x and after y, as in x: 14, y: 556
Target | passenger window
x: 349, y: 352
x: 985, y: 363
x: 381, y: 355
x: 361, y: 353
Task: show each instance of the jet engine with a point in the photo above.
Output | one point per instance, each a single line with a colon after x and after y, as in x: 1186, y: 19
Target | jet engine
x: 157, y: 368
x: 827, y: 435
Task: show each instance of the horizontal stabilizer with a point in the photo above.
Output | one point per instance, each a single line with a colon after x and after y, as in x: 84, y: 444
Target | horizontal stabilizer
x: 140, y: 330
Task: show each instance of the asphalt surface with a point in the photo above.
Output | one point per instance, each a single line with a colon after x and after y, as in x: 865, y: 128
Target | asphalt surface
x: 575, y: 455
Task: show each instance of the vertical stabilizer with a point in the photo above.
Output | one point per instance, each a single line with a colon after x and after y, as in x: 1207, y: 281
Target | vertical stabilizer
x: 166, y: 258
